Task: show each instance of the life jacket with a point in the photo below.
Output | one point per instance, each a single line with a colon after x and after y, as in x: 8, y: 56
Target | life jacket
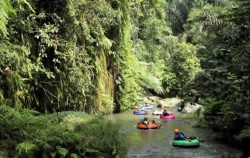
x: 141, y: 121
x: 165, y: 113
x: 179, y: 136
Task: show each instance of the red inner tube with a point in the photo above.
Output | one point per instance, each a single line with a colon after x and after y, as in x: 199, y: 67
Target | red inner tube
x: 171, y: 116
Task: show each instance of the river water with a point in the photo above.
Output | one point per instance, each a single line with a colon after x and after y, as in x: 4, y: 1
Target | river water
x: 157, y: 143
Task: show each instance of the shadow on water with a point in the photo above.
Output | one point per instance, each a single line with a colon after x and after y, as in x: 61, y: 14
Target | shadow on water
x: 157, y: 143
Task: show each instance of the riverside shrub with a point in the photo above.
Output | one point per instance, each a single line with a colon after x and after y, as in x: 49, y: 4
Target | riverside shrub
x: 26, y: 134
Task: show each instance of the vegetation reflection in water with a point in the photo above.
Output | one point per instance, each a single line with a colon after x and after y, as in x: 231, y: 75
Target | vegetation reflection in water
x: 157, y: 143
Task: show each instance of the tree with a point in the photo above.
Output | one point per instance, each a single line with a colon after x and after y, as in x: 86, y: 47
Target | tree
x: 184, y: 64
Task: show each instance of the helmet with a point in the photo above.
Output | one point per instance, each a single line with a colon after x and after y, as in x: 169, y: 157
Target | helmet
x: 136, y: 107
x: 145, y: 117
x: 176, y: 131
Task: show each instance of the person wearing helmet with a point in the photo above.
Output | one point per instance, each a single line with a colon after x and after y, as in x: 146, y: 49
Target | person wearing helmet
x: 136, y: 108
x: 182, y: 105
x: 146, y: 104
x: 165, y: 112
x: 144, y: 120
x: 179, y: 135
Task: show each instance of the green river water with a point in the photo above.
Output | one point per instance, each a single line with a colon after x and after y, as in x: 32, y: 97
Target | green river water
x: 157, y: 143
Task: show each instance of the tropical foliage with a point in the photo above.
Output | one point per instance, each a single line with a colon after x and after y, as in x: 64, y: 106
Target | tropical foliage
x: 64, y: 57
x: 224, y: 49
x: 100, y: 56
x: 26, y: 133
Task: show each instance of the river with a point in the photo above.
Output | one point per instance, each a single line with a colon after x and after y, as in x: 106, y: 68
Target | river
x: 157, y: 143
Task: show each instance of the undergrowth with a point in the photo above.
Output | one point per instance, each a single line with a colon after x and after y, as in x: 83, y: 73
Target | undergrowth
x: 27, y: 134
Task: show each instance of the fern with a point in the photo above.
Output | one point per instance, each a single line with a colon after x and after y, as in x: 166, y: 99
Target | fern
x: 62, y: 151
x: 212, y: 106
x: 6, y: 10
x: 25, y: 148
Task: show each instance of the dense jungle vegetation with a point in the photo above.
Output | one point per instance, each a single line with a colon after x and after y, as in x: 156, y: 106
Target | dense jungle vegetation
x: 101, y: 56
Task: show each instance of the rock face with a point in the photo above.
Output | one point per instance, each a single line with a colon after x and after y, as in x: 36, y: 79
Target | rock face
x: 163, y: 103
x: 159, y: 102
x: 167, y: 103
x: 172, y: 102
x: 153, y: 98
x: 188, y: 108
x: 150, y: 101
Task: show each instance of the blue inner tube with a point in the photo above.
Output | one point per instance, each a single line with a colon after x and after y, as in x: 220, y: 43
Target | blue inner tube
x: 140, y: 112
x: 146, y: 106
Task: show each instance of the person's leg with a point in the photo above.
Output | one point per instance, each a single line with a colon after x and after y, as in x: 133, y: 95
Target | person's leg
x: 191, y: 137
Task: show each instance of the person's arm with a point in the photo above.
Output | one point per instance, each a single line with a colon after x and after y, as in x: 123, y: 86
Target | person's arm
x: 182, y: 136
x: 147, y: 123
x: 186, y: 138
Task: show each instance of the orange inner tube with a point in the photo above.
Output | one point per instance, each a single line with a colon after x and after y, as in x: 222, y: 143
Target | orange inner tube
x: 152, y: 125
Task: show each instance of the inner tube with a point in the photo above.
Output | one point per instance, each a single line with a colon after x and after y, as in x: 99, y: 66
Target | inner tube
x: 170, y: 116
x: 186, y: 143
x: 151, y: 125
x: 140, y: 112
x: 146, y: 106
x: 157, y: 112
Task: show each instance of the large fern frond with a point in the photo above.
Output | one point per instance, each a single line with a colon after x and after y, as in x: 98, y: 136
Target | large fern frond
x: 5, y: 11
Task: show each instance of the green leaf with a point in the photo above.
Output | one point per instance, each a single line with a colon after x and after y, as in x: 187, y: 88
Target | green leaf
x: 62, y: 151
x: 25, y: 147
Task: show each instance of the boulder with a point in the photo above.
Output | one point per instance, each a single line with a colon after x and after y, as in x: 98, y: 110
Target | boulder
x: 191, y: 108
x: 153, y: 98
x: 165, y: 104
x: 148, y: 101
x: 173, y: 101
